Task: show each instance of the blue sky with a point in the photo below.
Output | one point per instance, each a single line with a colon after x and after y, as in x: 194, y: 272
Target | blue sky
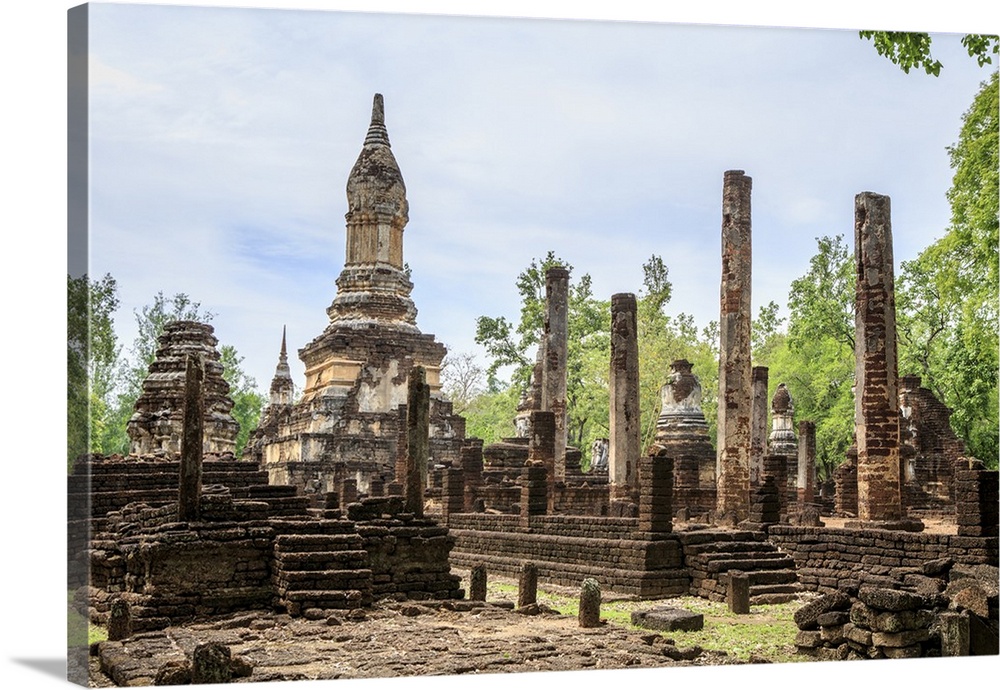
x: 221, y: 140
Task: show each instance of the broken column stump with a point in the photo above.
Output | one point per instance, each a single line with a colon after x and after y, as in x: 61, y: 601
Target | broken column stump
x: 758, y: 426
x: 189, y: 494
x: 452, y: 492
x: 954, y: 630
x: 119, y: 620
x: 477, y: 583
x: 590, y: 604
x: 542, y: 434
x: 656, y: 488
x: 472, y: 470
x: 623, y: 390
x: 738, y: 595
x: 534, y: 485
x: 417, y: 439
x: 554, y: 367
x: 211, y: 664
x: 527, y: 585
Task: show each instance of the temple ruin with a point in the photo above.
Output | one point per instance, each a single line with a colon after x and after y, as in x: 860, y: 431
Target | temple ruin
x: 682, y: 429
x: 347, y: 424
x: 156, y: 425
x: 366, y: 489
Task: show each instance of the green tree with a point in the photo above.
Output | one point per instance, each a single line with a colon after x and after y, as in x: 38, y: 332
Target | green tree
x: 822, y: 301
x: 92, y: 356
x: 116, y: 381
x: 662, y: 340
x: 913, y: 49
x: 588, y: 326
x: 248, y: 402
x: 816, y: 359
x: 463, y: 380
x: 948, y: 296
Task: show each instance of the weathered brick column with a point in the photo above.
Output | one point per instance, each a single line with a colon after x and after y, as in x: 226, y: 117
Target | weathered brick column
x: 877, y: 399
x: 845, y: 479
x: 472, y: 468
x: 189, y: 494
x: 806, y: 480
x: 348, y: 492
x: 452, y: 492
x: 776, y: 466
x: 656, y: 488
x: 733, y: 448
x: 758, y: 425
x: 554, y: 366
x: 541, y: 451
x: 975, y: 499
x: 418, y: 400
x: 534, y: 499
x: 624, y: 451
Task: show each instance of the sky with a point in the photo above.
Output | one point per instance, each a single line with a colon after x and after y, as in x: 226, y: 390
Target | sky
x: 221, y: 140
x: 513, y: 171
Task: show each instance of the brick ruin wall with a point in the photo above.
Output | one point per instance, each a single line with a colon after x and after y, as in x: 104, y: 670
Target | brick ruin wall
x: 829, y: 559
x: 930, y: 449
x: 567, y: 549
x: 569, y: 500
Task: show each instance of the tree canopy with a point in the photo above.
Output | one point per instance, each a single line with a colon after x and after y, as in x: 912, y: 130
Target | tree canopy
x: 910, y: 49
x: 104, y: 384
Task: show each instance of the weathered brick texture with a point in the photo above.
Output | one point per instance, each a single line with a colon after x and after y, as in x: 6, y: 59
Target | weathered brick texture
x: 733, y: 467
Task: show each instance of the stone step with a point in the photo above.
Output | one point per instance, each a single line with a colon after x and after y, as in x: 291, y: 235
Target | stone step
x: 751, y: 565
x: 772, y: 598
x: 765, y: 577
x: 726, y: 547
x: 311, y: 526
x: 298, y: 543
x: 319, y: 560
x: 691, y: 539
x: 291, y: 577
x: 326, y: 598
x: 285, y: 505
x: 271, y: 490
x: 788, y: 588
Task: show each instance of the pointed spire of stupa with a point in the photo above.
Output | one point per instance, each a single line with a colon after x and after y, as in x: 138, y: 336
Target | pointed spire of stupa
x: 282, y: 384
x: 377, y: 133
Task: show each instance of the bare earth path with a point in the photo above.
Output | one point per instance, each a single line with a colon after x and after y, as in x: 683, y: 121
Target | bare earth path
x: 406, y: 639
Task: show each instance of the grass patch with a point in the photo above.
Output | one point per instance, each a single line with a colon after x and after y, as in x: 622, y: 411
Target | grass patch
x: 767, y: 631
x: 79, y: 631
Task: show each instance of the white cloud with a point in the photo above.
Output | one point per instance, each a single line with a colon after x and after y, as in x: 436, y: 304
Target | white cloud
x: 603, y: 142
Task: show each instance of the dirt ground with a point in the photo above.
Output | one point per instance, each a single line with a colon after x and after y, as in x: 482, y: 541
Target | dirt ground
x: 931, y: 525
x: 396, y: 639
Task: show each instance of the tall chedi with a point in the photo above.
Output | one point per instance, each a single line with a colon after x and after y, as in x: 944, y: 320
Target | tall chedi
x: 347, y: 424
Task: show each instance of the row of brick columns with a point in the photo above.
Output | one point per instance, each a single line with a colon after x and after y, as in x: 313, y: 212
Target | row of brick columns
x: 742, y: 445
x: 741, y: 448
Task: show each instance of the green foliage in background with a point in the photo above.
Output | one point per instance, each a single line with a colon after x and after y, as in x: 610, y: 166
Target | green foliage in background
x: 103, y: 384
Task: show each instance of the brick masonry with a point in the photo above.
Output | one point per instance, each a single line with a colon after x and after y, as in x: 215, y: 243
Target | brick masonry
x: 733, y: 466
x: 877, y: 398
